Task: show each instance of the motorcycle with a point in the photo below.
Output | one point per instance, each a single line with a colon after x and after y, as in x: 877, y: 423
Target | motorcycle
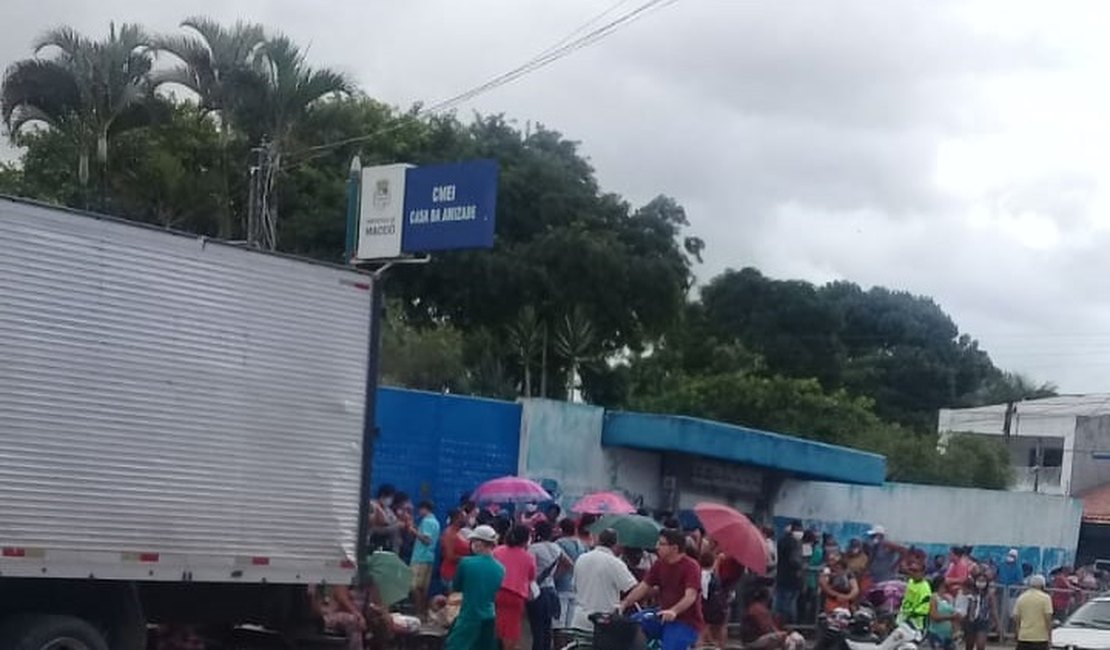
x: 842, y: 630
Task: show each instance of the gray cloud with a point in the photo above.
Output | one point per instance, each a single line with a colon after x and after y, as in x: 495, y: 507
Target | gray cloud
x: 803, y: 137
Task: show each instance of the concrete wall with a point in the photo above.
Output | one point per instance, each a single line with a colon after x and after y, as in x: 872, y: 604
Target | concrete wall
x: 1092, y: 436
x: 1054, y: 425
x: 1044, y: 528
x: 560, y: 446
x: 442, y: 446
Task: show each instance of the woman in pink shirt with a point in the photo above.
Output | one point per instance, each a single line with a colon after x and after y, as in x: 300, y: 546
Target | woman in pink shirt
x: 516, y: 588
x: 959, y: 570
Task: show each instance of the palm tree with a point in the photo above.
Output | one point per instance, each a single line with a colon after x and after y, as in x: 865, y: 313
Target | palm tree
x: 214, y: 61
x: 211, y: 59
x: 526, y: 337
x: 88, y: 90
x: 261, y: 88
x: 279, y: 93
x: 576, y: 343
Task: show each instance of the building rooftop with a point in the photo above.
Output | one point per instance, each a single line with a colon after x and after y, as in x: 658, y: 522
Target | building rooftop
x: 990, y: 419
x: 764, y: 449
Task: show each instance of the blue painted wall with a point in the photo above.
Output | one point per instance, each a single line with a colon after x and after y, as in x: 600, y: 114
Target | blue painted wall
x: 439, y: 447
x: 802, y: 458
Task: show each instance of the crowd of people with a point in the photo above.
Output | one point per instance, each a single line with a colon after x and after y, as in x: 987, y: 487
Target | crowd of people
x: 536, y: 566
x: 954, y: 597
x: 554, y: 572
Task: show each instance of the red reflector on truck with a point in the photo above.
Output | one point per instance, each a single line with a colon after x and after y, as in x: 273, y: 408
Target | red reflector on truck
x: 260, y: 561
x: 148, y: 557
x: 346, y: 564
x: 14, y: 552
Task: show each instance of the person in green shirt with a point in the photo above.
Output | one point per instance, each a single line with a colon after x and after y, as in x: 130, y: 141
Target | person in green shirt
x: 478, y: 579
x: 917, y: 601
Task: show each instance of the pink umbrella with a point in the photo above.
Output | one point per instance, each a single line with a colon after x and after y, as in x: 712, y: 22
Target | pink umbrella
x: 735, y: 534
x: 510, y: 489
x: 604, y: 503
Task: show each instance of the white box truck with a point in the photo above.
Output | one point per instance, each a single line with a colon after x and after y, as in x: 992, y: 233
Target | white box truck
x: 181, y: 430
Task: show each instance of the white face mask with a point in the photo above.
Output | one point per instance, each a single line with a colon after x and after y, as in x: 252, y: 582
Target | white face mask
x: 798, y: 535
x: 981, y: 584
x: 530, y: 508
x: 472, y: 521
x: 388, y: 501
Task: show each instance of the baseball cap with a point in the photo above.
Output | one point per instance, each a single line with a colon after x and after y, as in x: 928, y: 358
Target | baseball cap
x: 484, y: 534
x: 876, y: 530
x: 1013, y: 554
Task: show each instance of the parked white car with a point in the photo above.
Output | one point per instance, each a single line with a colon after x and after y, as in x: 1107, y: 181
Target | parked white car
x: 1086, y: 629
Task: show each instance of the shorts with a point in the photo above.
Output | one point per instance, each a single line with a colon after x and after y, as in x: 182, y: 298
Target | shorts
x: 678, y: 636
x: 510, y: 615
x: 421, y: 576
x: 715, y: 611
x: 1032, y: 645
x: 977, y: 627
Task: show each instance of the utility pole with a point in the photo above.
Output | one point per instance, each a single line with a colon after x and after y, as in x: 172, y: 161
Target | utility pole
x: 261, y: 229
x: 254, y: 200
x: 1039, y: 459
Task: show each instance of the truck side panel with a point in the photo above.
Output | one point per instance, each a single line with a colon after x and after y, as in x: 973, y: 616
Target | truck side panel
x: 172, y: 408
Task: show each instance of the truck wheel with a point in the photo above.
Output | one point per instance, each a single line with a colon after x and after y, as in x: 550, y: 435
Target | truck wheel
x: 49, y: 632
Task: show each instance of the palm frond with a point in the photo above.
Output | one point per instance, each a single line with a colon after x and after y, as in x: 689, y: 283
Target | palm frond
x: 67, y: 40
x: 38, y: 90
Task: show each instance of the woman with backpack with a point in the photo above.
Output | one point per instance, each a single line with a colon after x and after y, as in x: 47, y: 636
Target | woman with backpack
x: 543, y: 608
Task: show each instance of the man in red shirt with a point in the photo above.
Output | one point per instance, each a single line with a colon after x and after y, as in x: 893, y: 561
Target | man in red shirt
x: 678, y: 578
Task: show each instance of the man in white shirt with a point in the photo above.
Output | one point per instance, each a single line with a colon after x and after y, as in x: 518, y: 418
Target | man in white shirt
x: 600, y: 578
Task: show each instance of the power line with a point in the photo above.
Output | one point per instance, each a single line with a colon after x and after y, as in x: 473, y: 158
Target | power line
x: 562, y: 48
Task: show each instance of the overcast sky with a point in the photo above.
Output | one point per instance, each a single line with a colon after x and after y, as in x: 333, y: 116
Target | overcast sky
x: 955, y: 149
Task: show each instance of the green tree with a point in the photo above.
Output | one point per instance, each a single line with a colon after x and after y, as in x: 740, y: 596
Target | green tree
x: 1009, y: 387
x: 427, y: 359
x: 527, y: 336
x: 901, y: 350
x: 11, y: 179
x: 561, y: 244
x: 213, y: 60
x: 89, y: 91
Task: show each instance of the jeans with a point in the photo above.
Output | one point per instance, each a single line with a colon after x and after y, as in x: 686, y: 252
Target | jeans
x: 566, y: 602
x: 678, y: 636
x: 540, y: 612
x: 786, y: 603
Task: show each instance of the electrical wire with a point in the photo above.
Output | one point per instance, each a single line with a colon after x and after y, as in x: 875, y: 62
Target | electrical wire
x: 564, y: 47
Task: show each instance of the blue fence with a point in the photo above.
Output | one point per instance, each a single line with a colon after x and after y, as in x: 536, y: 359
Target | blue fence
x: 439, y: 447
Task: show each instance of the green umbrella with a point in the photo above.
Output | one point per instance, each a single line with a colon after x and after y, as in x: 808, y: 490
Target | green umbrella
x: 634, y: 531
x: 391, y: 576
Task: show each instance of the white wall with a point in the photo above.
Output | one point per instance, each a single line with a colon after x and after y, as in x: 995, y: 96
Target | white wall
x: 561, y: 442
x: 938, y: 517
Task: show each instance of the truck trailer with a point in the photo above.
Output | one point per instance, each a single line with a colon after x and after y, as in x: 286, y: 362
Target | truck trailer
x: 181, y: 430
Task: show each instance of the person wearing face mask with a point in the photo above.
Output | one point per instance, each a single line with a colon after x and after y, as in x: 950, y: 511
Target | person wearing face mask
x: 531, y: 515
x: 470, y: 516
x: 384, y: 527
x: 884, y: 555
x: 982, y: 611
x: 790, y: 573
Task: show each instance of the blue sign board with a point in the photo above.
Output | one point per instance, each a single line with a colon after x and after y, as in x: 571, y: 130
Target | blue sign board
x: 449, y: 207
